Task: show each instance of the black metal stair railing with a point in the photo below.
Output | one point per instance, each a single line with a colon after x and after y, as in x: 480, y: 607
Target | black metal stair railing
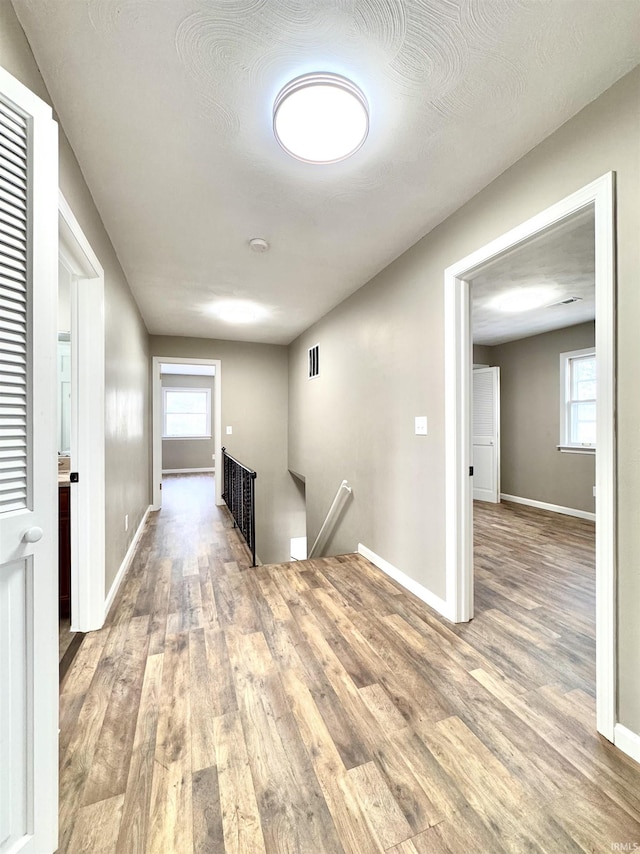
x: 239, y: 496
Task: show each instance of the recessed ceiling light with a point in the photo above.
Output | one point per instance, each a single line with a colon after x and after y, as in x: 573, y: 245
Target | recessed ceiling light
x: 321, y: 118
x: 523, y: 299
x: 238, y: 311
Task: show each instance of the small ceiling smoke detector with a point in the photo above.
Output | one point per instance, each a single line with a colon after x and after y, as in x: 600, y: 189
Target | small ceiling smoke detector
x: 259, y: 244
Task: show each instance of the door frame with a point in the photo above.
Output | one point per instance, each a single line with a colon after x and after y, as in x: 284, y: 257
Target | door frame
x: 156, y: 382
x: 87, y: 422
x: 459, y: 507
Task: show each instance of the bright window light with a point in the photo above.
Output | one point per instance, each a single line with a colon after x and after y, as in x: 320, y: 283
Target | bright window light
x: 321, y: 118
x: 186, y: 413
x: 578, y: 399
x: 524, y: 299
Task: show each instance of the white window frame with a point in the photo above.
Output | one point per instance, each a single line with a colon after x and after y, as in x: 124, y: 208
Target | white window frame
x: 205, y: 391
x: 566, y: 445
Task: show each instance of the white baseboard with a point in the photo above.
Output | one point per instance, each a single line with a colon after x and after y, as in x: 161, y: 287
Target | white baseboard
x: 298, y: 548
x: 406, y: 581
x: 186, y: 471
x: 627, y: 741
x: 554, y: 508
x: 124, y: 566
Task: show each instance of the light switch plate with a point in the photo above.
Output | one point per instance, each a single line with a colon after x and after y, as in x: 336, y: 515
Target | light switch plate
x: 421, y: 425
x: 229, y: 431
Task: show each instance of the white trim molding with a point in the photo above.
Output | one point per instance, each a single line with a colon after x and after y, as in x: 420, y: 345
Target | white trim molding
x: 126, y: 562
x: 574, y: 449
x: 187, y: 471
x: 406, y: 581
x: 599, y: 196
x: 627, y: 741
x: 553, y: 508
x: 87, y: 421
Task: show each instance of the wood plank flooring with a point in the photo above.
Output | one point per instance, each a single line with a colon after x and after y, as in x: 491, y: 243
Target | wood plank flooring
x: 318, y: 708
x: 68, y: 645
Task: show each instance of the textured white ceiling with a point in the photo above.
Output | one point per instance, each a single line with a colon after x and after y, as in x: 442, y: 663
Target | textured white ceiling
x: 167, y: 104
x: 562, y: 259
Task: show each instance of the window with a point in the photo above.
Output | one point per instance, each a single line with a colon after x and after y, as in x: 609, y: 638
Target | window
x: 186, y: 413
x: 578, y: 400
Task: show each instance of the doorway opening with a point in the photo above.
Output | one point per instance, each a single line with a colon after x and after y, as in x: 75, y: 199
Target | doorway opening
x: 595, y: 200
x: 187, y: 421
x: 533, y: 404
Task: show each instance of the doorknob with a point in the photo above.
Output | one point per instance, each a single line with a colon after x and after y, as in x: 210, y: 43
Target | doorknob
x: 32, y: 535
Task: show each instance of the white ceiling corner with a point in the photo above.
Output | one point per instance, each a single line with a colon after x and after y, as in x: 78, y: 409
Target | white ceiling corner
x: 168, y: 108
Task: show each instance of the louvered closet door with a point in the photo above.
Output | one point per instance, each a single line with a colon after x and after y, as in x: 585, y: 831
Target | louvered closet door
x: 486, y: 434
x: 28, y: 530
x: 14, y: 319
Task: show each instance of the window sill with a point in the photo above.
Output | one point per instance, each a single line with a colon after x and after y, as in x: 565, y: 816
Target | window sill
x: 576, y: 449
x: 185, y: 438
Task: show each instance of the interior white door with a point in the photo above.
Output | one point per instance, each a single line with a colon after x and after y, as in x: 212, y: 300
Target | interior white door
x: 486, y: 434
x: 28, y: 480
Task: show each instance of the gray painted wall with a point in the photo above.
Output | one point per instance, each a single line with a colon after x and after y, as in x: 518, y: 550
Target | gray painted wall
x: 254, y: 403
x: 531, y: 465
x: 481, y: 354
x: 382, y: 363
x: 127, y: 352
x: 189, y: 453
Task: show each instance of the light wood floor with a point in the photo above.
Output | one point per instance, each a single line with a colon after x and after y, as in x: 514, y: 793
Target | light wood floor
x: 317, y: 708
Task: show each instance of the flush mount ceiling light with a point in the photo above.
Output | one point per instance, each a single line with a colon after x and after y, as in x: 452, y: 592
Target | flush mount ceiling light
x: 238, y: 311
x: 321, y: 118
x: 523, y: 299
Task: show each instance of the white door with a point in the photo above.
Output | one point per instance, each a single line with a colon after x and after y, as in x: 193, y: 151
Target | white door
x: 28, y: 480
x: 486, y: 434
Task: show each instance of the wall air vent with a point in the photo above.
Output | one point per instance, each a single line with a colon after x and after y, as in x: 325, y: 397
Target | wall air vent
x: 566, y: 301
x: 314, y: 361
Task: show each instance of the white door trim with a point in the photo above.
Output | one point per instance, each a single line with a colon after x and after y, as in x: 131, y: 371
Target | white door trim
x: 459, y: 510
x: 87, y: 423
x: 156, y: 383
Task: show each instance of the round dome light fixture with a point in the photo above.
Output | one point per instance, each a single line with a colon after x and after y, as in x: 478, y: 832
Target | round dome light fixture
x: 321, y: 118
